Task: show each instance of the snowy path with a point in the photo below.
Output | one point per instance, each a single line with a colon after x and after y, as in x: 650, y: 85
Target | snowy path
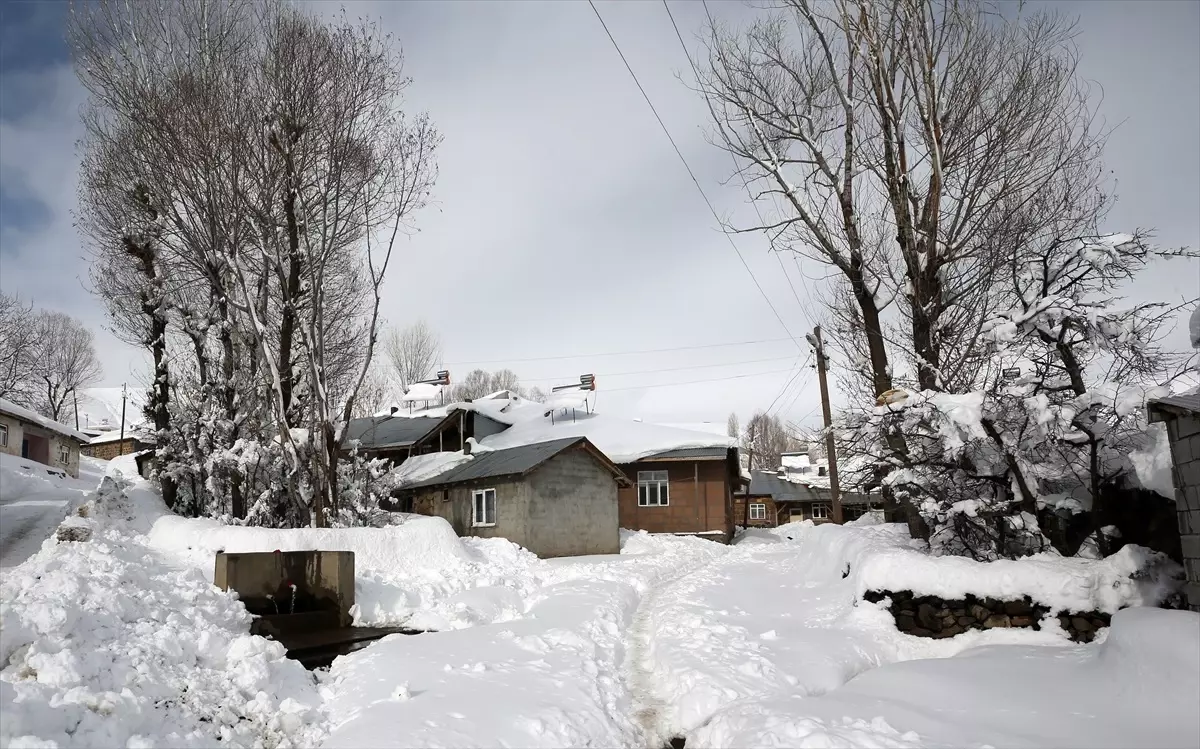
x: 555, y: 677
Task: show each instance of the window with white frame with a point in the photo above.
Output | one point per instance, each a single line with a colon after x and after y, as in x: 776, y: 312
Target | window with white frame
x: 821, y: 511
x: 3, y: 435
x: 758, y: 511
x: 483, y: 511
x: 653, y: 489
x: 64, y: 454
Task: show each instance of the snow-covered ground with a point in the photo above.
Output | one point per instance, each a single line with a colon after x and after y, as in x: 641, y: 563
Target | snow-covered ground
x: 123, y: 641
x: 33, y: 501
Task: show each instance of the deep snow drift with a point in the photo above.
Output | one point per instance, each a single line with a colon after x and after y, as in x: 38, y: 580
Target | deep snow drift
x: 107, y: 643
x: 123, y: 641
x: 744, y: 646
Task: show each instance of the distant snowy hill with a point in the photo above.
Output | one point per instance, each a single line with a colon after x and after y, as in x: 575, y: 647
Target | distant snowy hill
x: 100, y: 408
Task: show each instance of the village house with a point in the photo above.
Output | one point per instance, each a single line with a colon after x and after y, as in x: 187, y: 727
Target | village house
x: 672, y: 480
x: 110, y: 444
x: 555, y: 498
x: 27, y: 434
x: 773, y: 500
x: 799, y: 490
x: 1181, y: 414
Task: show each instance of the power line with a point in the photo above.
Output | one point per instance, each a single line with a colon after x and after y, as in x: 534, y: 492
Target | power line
x: 692, y: 174
x: 620, y: 353
x: 696, y: 382
x: 655, y: 371
x: 797, y: 370
x: 804, y: 310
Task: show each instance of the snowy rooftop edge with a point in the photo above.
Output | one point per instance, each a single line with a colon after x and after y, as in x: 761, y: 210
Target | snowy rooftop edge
x: 24, y: 414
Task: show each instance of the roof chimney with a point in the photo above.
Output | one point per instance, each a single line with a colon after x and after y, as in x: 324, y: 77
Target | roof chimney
x: 467, y: 446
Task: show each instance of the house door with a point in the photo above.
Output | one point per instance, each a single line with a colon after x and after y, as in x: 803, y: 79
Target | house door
x: 35, y: 447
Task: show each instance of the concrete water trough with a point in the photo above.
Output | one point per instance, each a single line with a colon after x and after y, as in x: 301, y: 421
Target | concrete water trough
x: 302, y: 599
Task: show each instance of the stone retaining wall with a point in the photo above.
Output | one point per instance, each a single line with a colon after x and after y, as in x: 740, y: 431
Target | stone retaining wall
x: 931, y: 616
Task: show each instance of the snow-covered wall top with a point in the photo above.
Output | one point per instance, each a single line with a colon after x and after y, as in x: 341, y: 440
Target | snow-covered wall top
x: 32, y: 417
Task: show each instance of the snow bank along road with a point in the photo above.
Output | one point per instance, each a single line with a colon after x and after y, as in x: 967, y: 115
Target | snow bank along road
x: 33, y: 501
x: 122, y: 641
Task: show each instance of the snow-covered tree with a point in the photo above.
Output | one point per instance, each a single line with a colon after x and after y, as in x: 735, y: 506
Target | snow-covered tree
x: 18, y: 343
x: 257, y: 160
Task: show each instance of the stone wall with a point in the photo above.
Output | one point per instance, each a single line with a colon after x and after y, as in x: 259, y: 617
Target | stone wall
x: 931, y: 616
x: 1184, y: 433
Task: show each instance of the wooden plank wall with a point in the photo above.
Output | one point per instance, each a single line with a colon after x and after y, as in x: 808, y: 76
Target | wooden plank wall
x: 699, y: 494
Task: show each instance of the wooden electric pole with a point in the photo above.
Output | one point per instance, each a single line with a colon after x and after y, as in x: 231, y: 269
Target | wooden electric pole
x: 121, y: 444
x: 834, y: 491
x: 750, y: 470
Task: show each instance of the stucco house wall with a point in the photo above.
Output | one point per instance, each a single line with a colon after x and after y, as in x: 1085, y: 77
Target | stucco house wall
x: 46, y: 446
x: 565, y: 507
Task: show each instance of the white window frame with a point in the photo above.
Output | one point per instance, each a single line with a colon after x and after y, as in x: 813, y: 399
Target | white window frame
x: 821, y: 511
x: 476, y: 507
x: 660, y: 482
x: 758, y: 511
x: 3, y: 435
x: 64, y: 453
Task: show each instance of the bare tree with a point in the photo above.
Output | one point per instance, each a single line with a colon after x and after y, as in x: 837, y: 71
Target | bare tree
x: 374, y: 394
x: 536, y: 394
x: 766, y: 439
x: 18, y: 344
x: 414, y: 352
x: 476, y: 384
x: 64, y: 363
x: 506, y: 379
x: 731, y: 426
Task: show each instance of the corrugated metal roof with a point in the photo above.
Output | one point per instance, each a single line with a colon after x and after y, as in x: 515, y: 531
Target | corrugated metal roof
x: 389, y: 431
x: 1190, y: 402
x: 691, y: 452
x: 494, y: 463
x: 765, y: 483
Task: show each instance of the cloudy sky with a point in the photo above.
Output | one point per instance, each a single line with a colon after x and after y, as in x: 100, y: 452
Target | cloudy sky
x: 567, y: 236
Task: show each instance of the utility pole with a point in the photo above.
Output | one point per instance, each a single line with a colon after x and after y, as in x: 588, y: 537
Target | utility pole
x: 834, y: 491
x: 121, y: 444
x: 75, y: 396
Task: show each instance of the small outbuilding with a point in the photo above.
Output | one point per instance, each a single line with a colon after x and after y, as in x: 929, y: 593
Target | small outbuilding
x: 1181, y: 414
x: 555, y: 498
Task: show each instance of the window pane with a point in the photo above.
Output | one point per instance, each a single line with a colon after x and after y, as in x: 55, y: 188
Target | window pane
x: 642, y: 489
x: 490, y: 507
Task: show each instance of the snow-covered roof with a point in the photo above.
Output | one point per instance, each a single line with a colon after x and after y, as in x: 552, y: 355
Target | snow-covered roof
x: 114, y: 435
x: 32, y: 417
x: 708, y: 427
x: 622, y: 440
x: 797, y: 460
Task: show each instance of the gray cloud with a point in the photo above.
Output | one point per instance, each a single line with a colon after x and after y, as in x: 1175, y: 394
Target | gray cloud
x: 566, y: 225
